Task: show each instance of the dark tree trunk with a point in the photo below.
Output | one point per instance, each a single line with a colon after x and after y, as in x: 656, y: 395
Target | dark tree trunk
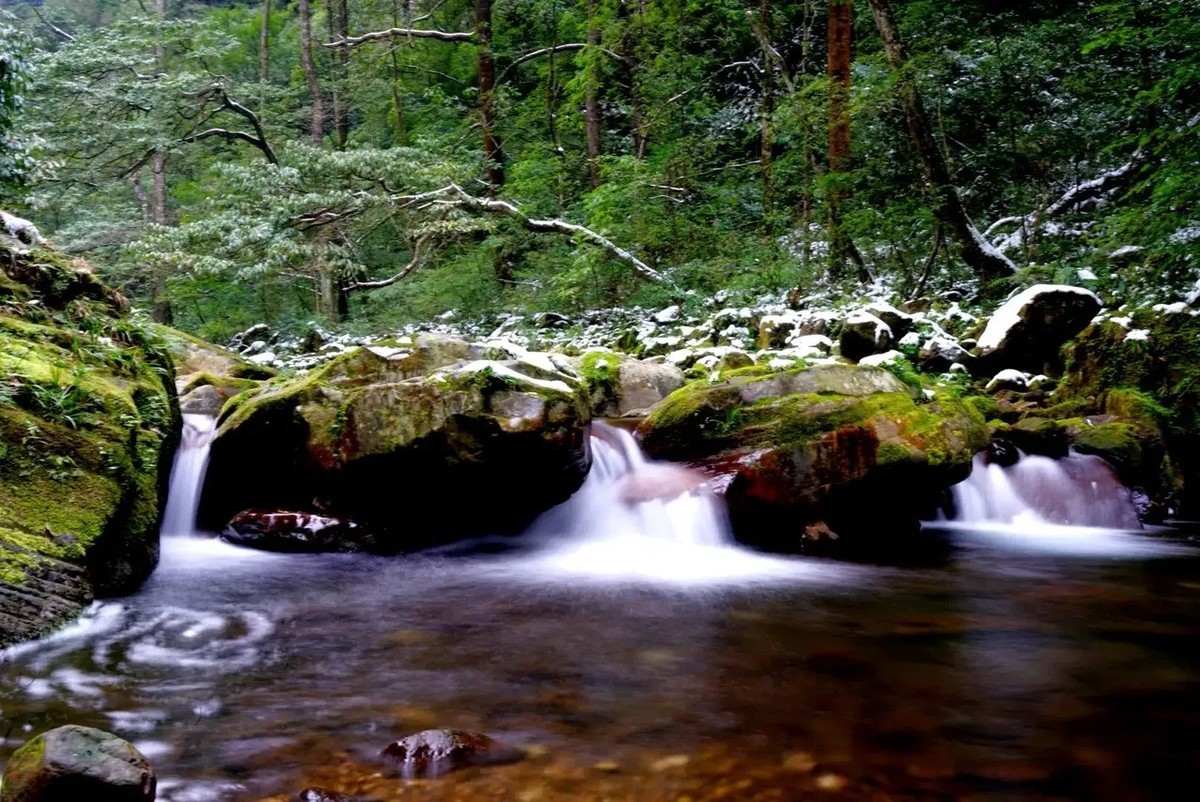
x: 264, y: 44
x: 339, y: 28
x: 630, y: 12
x: 767, y: 115
x: 841, y: 25
x: 492, y: 153
x: 986, y: 261
x: 317, y: 121
x: 397, y: 102
x: 593, y: 115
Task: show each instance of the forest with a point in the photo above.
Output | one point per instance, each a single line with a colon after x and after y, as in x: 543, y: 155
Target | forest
x: 371, y: 163
x: 596, y: 400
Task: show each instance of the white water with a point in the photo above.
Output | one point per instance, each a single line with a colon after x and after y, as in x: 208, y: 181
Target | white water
x: 1070, y: 506
x: 640, y: 520
x: 187, y: 475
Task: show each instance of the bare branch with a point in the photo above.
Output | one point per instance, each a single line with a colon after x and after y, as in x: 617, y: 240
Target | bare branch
x: 37, y: 13
x: 557, y: 226
x: 564, y: 48
x: 404, y: 271
x: 398, y: 33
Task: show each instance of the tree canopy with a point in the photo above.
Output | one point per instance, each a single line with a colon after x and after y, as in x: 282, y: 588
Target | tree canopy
x: 382, y: 161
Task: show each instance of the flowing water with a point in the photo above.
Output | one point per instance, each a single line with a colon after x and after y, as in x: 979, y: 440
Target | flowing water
x: 1007, y: 670
x: 187, y: 475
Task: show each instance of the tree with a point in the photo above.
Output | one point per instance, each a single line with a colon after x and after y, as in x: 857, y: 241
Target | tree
x: 15, y: 159
x: 841, y: 26
x: 983, y: 258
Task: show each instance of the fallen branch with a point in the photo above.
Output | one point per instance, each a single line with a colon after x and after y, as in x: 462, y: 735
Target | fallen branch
x: 563, y: 48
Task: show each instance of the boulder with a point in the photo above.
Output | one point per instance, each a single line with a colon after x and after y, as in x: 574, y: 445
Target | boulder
x: 848, y: 446
x: 432, y: 753
x: 864, y: 334
x: 900, y: 323
x: 939, y: 353
x: 73, y: 764
x: 297, y: 532
x: 1027, y: 332
x: 88, y: 423
x: 193, y: 357
x: 482, y: 444
x: 623, y: 386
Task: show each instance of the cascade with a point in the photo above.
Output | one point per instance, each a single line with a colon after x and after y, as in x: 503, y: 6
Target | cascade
x: 187, y: 475
x: 1077, y: 490
x: 627, y: 495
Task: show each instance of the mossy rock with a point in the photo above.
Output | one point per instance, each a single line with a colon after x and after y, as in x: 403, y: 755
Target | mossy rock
x: 360, y: 439
x: 88, y: 420
x: 1152, y: 379
x: 193, y: 356
x: 853, y: 447
x: 623, y: 386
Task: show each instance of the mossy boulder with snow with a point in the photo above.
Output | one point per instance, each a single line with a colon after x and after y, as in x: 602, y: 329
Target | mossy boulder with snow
x: 1144, y: 369
x: 416, y: 442
x: 87, y: 424
x: 1027, y: 331
x: 852, y: 447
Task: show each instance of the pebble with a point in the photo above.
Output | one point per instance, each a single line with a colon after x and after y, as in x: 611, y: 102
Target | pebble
x: 799, y: 761
x: 831, y: 782
x: 670, y: 762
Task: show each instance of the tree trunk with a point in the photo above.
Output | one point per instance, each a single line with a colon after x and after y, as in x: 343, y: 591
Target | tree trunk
x: 492, y: 154
x: 593, y: 115
x: 841, y: 23
x: 264, y: 44
x: 631, y: 14
x: 317, y: 121
x: 339, y: 28
x: 767, y: 115
x: 987, y: 262
x: 397, y: 103
x: 158, y: 198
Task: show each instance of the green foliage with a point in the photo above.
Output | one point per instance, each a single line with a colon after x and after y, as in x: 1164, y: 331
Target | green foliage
x: 16, y: 161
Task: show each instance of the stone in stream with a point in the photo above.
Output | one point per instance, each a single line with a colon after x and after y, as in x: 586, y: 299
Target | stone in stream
x: 297, y: 532
x: 432, y: 753
x: 322, y: 795
x: 78, y: 764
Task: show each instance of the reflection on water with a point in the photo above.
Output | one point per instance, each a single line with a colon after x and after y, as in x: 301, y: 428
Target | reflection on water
x: 1002, y: 673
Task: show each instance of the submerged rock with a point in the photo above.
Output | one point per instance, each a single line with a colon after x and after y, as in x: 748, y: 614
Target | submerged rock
x: 88, y: 420
x: 1027, y: 332
x: 323, y: 795
x: 74, y: 764
x: 847, y: 446
x: 386, y: 436
x: 297, y: 532
x: 432, y: 753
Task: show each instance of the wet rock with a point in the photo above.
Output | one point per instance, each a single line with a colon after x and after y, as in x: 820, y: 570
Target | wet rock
x: 74, y: 764
x: 322, y: 795
x: 864, y: 334
x: 384, y: 426
x: 1027, y: 332
x: 843, y: 445
x: 204, y: 400
x: 433, y: 753
x: 297, y: 532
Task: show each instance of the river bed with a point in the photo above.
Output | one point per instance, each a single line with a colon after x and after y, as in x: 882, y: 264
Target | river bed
x: 1004, y: 671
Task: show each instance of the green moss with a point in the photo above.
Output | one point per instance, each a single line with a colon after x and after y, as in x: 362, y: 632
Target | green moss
x: 985, y: 405
x: 600, y: 369
x: 225, y: 382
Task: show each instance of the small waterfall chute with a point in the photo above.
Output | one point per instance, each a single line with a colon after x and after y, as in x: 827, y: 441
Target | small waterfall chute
x: 187, y: 475
x: 1076, y: 490
x: 642, y: 520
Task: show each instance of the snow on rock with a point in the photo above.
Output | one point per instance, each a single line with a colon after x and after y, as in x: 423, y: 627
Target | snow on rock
x: 899, y: 322
x: 882, y: 360
x: 20, y: 228
x: 864, y: 334
x: 940, y: 352
x: 1138, y: 334
x: 1009, y: 379
x: 668, y: 315
x: 1028, y: 330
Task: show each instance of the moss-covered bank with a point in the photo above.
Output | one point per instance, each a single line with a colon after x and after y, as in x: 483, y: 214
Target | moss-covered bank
x: 87, y: 425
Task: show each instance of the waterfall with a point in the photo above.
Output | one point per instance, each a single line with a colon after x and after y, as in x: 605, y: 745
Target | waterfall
x: 628, y: 496
x: 1077, y: 490
x: 187, y: 475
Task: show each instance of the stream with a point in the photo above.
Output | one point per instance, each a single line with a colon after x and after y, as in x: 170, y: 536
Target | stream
x: 1054, y: 665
